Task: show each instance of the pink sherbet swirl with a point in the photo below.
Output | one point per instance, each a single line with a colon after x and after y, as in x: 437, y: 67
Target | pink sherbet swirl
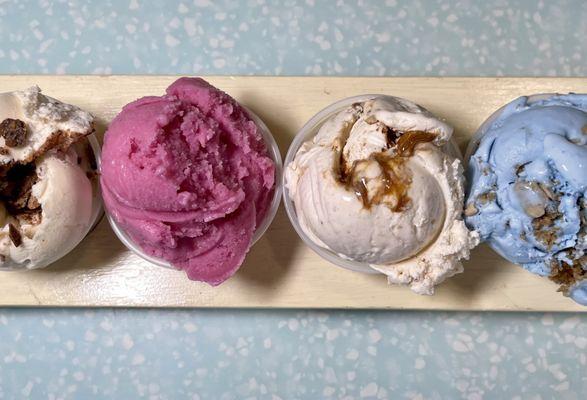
x: 188, y: 177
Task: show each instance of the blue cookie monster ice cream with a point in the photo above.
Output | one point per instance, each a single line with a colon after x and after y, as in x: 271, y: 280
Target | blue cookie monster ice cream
x: 528, y: 185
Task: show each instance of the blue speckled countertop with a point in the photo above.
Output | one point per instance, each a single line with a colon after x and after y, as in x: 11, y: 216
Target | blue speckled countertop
x: 232, y: 354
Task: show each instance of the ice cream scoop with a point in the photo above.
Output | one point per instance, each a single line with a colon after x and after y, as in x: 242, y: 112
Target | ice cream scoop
x: 49, y: 196
x: 188, y: 177
x: 375, y: 186
x: 528, y: 180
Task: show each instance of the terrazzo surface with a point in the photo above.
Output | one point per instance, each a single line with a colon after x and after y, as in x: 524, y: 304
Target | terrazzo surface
x: 236, y: 354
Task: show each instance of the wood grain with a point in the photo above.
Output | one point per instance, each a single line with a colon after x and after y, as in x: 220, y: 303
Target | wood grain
x: 280, y: 271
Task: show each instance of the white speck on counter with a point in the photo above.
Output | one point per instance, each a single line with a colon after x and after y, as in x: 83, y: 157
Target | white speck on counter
x: 369, y: 391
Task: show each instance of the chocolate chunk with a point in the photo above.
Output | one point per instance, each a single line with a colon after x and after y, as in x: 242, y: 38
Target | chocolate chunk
x: 14, y: 132
x: 14, y: 235
x: 33, y: 203
x: 16, y: 189
x: 31, y: 217
x: 392, y: 136
x: 4, y: 151
x: 6, y: 187
x: 24, y: 195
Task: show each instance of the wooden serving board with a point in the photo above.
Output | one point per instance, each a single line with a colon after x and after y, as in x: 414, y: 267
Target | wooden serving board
x: 280, y: 272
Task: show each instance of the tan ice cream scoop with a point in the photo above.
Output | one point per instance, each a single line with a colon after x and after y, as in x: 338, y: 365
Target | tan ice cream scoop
x: 375, y: 186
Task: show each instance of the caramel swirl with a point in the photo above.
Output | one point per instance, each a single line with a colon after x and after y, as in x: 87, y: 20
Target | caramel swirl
x: 394, y: 178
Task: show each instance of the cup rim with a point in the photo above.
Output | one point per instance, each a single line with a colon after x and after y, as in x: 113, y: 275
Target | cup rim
x: 309, y: 130
x: 273, y: 152
x: 97, y: 150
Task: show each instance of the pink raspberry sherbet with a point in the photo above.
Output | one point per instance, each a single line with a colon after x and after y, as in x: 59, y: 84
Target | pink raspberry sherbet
x: 188, y: 177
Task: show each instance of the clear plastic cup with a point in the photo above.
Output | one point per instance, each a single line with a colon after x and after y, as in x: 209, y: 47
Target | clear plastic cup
x: 308, y: 131
x: 98, y: 210
x: 275, y: 155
